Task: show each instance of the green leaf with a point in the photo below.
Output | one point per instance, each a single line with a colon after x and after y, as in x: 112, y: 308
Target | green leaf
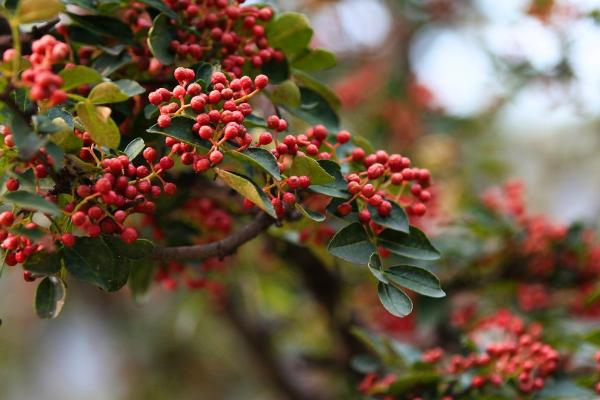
x: 286, y: 93
x: 43, y: 262
x: 115, y: 92
x: 99, y: 124
x: 78, y: 75
x: 417, y: 279
x: 337, y: 188
x: 160, y: 6
x: 352, y: 244
x: 394, y: 300
x: 412, y: 380
x: 412, y: 245
x: 290, y: 32
x: 376, y: 268
x: 30, y: 11
x: 31, y: 201
x: 310, y: 82
x: 105, y: 26
x: 159, y: 39
x: 203, y: 73
x: 593, y: 337
x: 50, y: 297
x: 248, y: 189
x: 54, y: 151
x: 396, y: 220
x: 141, y: 276
x: 107, y: 63
x: 140, y: 249
x: 92, y: 261
x: 181, y: 129
x: 314, y: 60
x: 309, y: 167
x: 258, y: 157
x: 313, y: 215
x: 277, y: 71
x: 315, y: 109
x: 134, y: 148
x: 27, y: 141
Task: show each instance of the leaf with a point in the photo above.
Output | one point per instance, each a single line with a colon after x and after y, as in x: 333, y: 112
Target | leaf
x: 412, y: 245
x: 181, y: 129
x: 107, y: 63
x: 286, y: 93
x: 26, y: 140
x: 159, y: 39
x: 115, y: 92
x: 396, y: 220
x: 31, y: 201
x: 78, y: 75
x: 92, y: 261
x: 290, y: 32
x: 417, y: 279
x: 134, y: 148
x: 309, y: 167
x: 394, y: 300
x: 315, y: 109
x: 310, y: 82
x: 30, y: 11
x: 140, y: 249
x: 57, y: 154
x: 248, y: 189
x: 412, y: 380
x: 160, y: 6
x: 258, y: 157
x: 337, y: 188
x: 141, y: 276
x: 203, y: 72
x: 314, y: 60
x: 105, y: 26
x: 313, y: 215
x: 43, y: 262
x: 99, y: 124
x: 376, y: 268
x: 50, y: 297
x: 277, y: 71
x: 352, y: 244
x: 593, y: 337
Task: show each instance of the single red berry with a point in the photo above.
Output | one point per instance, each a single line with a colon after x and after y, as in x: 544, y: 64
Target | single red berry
x: 364, y: 216
x: 149, y: 154
x: 343, y: 137
x: 261, y: 81
x: 164, y: 121
x: 67, y: 239
x: 129, y: 235
x: 265, y: 138
x: 12, y: 184
x: 170, y: 188
x: 7, y: 218
x: 344, y: 209
x: 103, y: 185
x: 79, y: 218
x: 216, y: 157
x: 166, y: 162
x: 289, y: 198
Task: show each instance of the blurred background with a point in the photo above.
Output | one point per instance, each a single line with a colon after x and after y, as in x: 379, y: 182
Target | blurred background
x: 478, y: 91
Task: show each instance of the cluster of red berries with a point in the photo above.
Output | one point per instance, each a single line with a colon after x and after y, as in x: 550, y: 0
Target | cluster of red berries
x: 223, y: 30
x: 103, y: 205
x: 219, y: 114
x: 42, y: 82
x: 17, y: 247
x: 509, y: 352
x: 213, y: 223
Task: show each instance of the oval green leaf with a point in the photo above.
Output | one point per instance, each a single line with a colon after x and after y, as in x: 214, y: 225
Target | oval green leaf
x: 396, y: 220
x: 99, y: 124
x: 394, y: 300
x: 50, y: 297
x: 159, y: 39
x: 417, y: 279
x: 412, y: 245
x: 248, y: 189
x: 31, y: 201
x: 311, y: 168
x: 78, y: 75
x: 352, y: 244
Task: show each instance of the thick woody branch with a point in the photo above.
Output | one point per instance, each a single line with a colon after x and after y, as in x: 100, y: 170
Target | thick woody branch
x: 220, y: 248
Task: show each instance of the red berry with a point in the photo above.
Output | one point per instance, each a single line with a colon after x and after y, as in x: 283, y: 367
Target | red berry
x: 7, y: 218
x: 68, y: 239
x: 289, y: 198
x: 344, y: 209
x: 265, y: 138
x: 166, y: 163
x: 216, y: 157
x: 12, y: 184
x: 261, y: 81
x: 103, y: 185
x: 164, y: 121
x: 170, y: 188
x: 129, y: 235
x: 149, y: 154
x: 343, y: 137
x: 79, y: 218
x: 364, y: 216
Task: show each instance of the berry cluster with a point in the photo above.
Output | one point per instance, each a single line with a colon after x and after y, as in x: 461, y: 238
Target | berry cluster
x: 224, y: 30
x: 42, y: 82
x: 219, y: 114
x: 509, y: 353
x: 213, y: 223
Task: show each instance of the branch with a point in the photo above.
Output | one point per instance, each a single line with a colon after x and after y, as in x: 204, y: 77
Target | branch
x: 220, y: 248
